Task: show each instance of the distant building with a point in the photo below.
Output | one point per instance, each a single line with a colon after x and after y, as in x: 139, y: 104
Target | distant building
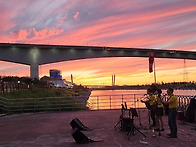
x: 55, y: 73
x: 58, y: 83
x: 69, y: 84
x: 56, y: 79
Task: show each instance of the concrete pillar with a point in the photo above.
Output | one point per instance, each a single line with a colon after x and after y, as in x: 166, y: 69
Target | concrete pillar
x: 34, y: 71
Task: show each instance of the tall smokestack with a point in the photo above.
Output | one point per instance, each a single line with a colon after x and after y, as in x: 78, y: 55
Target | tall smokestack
x: 71, y: 79
x: 114, y: 80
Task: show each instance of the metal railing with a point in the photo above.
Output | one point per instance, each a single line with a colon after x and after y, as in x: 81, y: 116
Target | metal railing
x: 113, y: 101
x: 99, y: 102
x: 21, y: 105
x: 8, y: 87
x: 132, y: 100
x: 184, y: 101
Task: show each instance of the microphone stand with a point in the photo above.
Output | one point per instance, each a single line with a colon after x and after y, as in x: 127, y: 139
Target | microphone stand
x: 139, y: 113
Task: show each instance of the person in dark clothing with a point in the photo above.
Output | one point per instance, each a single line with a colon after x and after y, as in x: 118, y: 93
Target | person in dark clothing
x: 173, y: 104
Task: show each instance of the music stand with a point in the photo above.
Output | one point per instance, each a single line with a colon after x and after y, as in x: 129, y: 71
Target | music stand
x: 133, y: 113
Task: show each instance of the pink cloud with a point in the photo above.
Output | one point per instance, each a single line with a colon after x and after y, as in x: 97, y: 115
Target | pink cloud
x: 37, y: 35
x: 76, y: 15
x: 13, y: 69
x: 169, y: 25
x: 62, y: 19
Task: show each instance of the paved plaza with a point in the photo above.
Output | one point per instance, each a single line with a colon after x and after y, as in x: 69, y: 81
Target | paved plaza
x: 54, y: 130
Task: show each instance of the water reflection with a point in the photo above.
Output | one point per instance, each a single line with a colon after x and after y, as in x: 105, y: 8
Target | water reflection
x: 112, y: 99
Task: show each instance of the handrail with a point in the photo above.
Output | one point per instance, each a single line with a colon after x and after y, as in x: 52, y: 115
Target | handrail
x: 133, y: 100
x: 96, y: 102
x: 20, y: 105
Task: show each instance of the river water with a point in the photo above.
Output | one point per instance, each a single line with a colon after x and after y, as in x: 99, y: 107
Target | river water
x: 112, y: 99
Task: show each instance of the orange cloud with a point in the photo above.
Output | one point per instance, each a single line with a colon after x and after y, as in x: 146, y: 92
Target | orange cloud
x: 127, y: 70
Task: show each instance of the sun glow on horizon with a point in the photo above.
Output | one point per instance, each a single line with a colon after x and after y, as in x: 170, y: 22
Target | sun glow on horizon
x: 99, y: 71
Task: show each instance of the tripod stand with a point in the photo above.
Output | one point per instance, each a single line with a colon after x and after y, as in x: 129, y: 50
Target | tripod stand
x: 121, y: 116
x: 133, y: 112
x: 139, y: 113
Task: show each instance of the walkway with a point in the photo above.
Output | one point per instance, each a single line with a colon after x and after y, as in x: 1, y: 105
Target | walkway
x: 54, y: 130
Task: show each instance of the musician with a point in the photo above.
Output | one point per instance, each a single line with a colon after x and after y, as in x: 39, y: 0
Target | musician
x: 151, y: 101
x: 172, y: 102
x: 159, y: 111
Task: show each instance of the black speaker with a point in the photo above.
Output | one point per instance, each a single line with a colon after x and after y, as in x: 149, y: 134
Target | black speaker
x: 190, y: 111
x: 126, y: 124
x: 79, y: 137
x: 76, y: 123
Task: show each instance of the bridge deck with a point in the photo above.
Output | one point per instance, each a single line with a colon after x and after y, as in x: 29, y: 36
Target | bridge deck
x: 53, y: 129
x: 37, y: 54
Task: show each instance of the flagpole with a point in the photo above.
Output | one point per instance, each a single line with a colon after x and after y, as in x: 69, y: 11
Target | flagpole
x: 154, y: 74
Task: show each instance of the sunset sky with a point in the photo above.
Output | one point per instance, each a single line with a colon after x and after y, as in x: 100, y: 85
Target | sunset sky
x: 159, y: 24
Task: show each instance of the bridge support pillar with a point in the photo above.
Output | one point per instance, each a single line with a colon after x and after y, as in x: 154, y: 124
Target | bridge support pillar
x: 34, y: 71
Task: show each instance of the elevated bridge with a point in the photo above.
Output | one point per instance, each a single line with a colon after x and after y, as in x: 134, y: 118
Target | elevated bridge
x: 39, y: 54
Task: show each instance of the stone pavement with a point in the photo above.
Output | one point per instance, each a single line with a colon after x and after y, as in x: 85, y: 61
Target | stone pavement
x: 54, y: 130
